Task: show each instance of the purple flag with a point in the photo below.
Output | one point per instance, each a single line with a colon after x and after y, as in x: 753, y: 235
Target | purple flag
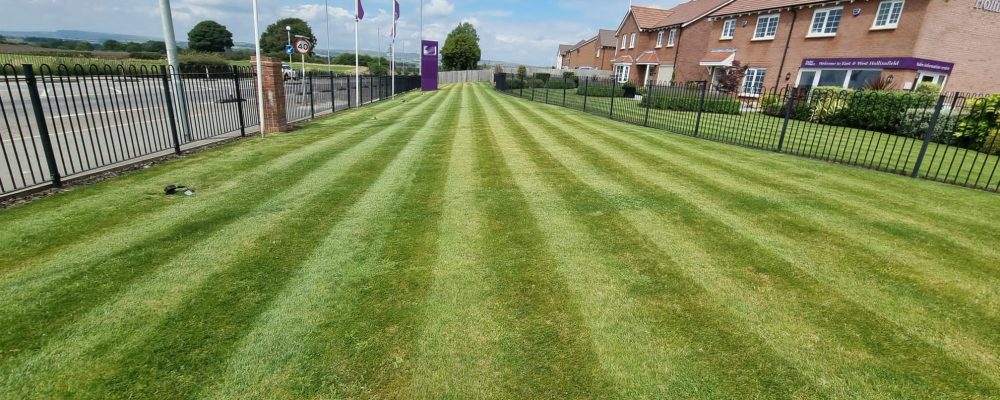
x: 395, y: 17
x: 361, y: 11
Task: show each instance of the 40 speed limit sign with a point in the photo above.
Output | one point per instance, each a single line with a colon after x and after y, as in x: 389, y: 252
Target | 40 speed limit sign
x: 302, y: 46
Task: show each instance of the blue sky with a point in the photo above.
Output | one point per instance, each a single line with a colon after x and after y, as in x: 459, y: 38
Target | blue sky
x: 522, y: 31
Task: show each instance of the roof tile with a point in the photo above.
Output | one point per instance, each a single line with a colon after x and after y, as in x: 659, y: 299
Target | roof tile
x: 744, y: 6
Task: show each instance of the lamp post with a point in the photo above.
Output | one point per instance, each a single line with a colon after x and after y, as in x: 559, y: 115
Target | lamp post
x: 288, y: 32
x: 260, y: 75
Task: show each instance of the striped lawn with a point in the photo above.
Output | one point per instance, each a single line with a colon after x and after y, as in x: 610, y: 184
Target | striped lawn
x: 468, y: 244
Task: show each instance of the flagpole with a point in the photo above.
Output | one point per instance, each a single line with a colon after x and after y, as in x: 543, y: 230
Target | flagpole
x: 420, y: 40
x: 326, y: 10
x: 392, y: 62
x: 357, y: 67
x: 260, y: 73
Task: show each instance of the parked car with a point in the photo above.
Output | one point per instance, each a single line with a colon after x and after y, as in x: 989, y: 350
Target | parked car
x: 288, y: 72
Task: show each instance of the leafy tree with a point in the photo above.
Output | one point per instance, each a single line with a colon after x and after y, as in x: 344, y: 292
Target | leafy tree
x: 84, y: 46
x: 112, y: 45
x: 154, y: 46
x: 210, y: 36
x: 461, y: 48
x: 274, y: 38
x: 378, y: 66
x: 522, y: 72
x: 732, y: 78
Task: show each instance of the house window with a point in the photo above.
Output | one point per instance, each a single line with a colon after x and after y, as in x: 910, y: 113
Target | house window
x: 672, y: 39
x: 887, y: 16
x: 631, y: 43
x: 728, y: 29
x: 753, y: 82
x: 826, y: 21
x: 624, y: 41
x: 767, y: 26
x: 621, y: 72
x: 843, y: 78
x: 598, y: 55
x: 659, y: 39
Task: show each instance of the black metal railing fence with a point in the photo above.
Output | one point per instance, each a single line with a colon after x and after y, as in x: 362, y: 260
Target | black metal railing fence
x: 947, y: 137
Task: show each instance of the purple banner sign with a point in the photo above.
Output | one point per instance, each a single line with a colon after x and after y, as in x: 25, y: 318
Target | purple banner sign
x: 880, y: 62
x: 429, y: 65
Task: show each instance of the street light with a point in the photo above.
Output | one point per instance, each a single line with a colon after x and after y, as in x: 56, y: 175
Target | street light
x: 288, y: 31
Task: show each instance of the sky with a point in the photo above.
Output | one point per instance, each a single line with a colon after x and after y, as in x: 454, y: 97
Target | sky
x: 519, y: 31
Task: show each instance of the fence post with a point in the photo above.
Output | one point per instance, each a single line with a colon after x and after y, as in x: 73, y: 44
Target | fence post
x: 532, y: 87
x: 701, y: 108
x: 239, y: 100
x: 521, y: 93
x: 927, y: 136
x: 170, y: 109
x: 43, y: 127
x: 333, y: 95
x: 611, y: 112
x: 564, y: 89
x: 789, y: 104
x: 312, y: 98
x: 586, y: 89
x: 349, y: 97
x: 649, y: 100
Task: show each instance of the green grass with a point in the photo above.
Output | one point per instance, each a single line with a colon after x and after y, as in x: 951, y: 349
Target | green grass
x: 468, y: 244
x: 848, y: 145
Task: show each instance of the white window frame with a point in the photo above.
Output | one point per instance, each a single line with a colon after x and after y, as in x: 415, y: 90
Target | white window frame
x: 879, y: 11
x: 672, y: 38
x: 622, y: 72
x: 756, y: 29
x: 659, y: 39
x: 824, y: 26
x: 598, y: 53
x: 631, y: 43
x: 624, y: 41
x: 728, y: 25
x: 819, y: 71
x: 758, y: 74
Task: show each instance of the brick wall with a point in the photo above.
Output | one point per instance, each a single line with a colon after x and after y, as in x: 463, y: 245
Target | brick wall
x: 955, y: 31
x: 275, y: 118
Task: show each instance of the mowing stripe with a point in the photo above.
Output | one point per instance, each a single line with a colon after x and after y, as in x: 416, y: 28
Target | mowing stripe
x: 456, y: 352
x: 90, y: 214
x: 547, y: 351
x: 148, y: 301
x: 370, y: 334
x: 686, y: 189
x: 232, y: 299
x: 33, y: 304
x: 982, y: 283
x: 694, y: 331
x: 272, y: 359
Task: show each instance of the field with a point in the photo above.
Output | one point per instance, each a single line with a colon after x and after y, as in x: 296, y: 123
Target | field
x: 311, y: 67
x: 468, y: 244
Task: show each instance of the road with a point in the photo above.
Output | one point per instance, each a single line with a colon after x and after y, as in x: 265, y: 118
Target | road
x: 104, y: 121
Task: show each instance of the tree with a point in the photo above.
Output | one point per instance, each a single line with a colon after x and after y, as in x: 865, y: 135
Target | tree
x: 461, y: 48
x: 378, y: 66
x: 732, y: 78
x: 274, y: 38
x: 210, y: 36
x: 112, y: 45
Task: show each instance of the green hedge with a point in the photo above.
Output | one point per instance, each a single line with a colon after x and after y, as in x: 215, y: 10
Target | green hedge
x: 713, y: 103
x: 775, y: 105
x: 561, y: 84
x: 599, y: 89
x: 875, y: 110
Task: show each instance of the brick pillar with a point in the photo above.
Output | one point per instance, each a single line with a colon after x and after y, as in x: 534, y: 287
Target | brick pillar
x: 275, y: 119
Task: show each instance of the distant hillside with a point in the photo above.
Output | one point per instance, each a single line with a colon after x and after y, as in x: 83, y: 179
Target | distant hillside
x: 95, y: 37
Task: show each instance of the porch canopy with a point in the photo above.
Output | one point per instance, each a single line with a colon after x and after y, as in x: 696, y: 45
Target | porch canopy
x: 718, y: 59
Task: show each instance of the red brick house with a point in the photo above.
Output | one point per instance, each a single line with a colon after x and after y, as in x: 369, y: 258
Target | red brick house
x: 664, y: 45
x: 849, y: 43
x: 594, y: 53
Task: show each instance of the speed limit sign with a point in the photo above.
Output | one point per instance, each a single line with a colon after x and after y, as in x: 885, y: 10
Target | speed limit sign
x: 302, y: 46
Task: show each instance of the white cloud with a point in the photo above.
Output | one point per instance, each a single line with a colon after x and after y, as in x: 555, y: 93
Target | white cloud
x: 438, y: 8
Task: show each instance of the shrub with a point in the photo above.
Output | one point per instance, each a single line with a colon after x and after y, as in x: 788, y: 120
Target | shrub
x: 561, y: 84
x: 543, y: 76
x: 928, y: 88
x: 775, y: 105
x: 145, y: 55
x: 875, y: 110
x: 713, y: 103
x: 192, y: 60
x: 515, y: 84
x: 981, y: 126
x: 916, y: 121
x: 599, y: 89
x: 522, y: 72
x: 535, y: 83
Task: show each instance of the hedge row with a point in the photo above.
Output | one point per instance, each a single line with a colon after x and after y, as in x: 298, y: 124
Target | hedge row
x: 713, y: 103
